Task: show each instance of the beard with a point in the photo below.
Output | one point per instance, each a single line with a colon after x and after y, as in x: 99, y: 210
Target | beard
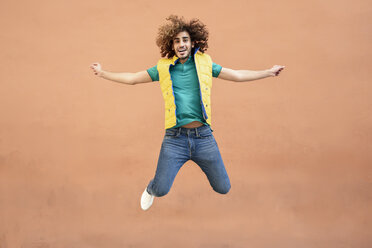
x: 184, y: 54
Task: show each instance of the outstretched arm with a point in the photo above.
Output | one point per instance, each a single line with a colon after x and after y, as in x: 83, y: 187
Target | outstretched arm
x: 245, y: 75
x: 122, y: 77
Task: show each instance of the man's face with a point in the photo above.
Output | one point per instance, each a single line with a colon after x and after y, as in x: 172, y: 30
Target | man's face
x: 182, y: 46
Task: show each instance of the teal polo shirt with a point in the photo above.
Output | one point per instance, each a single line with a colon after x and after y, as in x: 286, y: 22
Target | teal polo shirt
x: 186, y: 90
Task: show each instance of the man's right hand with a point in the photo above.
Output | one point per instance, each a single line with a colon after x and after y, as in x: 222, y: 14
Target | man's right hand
x: 97, y: 69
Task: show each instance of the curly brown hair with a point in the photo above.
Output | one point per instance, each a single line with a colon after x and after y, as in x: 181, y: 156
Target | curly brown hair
x: 197, y: 30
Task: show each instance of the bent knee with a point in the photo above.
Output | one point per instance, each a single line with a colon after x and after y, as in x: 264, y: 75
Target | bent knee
x: 223, y: 190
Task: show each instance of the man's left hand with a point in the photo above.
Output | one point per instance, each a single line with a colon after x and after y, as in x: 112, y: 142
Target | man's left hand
x: 275, y: 70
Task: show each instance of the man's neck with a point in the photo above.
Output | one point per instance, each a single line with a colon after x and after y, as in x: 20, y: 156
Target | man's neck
x: 182, y: 61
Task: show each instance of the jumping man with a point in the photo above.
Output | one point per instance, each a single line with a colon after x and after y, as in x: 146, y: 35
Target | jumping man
x: 185, y: 76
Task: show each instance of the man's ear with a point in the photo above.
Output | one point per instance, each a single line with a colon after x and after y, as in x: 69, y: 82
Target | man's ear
x: 193, y: 44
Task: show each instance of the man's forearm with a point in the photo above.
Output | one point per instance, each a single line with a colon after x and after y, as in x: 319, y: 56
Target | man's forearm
x: 246, y: 75
x: 120, y: 77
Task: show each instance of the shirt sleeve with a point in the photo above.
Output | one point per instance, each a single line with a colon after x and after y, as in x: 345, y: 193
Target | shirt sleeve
x: 216, y: 69
x: 153, y: 72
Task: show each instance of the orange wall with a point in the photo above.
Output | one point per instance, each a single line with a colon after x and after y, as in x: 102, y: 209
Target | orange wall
x: 76, y: 151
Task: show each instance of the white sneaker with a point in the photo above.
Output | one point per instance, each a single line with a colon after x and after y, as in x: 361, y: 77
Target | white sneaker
x: 146, y: 200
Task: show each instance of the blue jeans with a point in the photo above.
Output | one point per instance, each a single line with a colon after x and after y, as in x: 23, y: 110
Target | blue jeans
x: 183, y: 144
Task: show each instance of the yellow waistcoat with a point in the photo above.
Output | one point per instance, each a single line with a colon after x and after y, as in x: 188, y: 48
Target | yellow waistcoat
x: 203, y: 64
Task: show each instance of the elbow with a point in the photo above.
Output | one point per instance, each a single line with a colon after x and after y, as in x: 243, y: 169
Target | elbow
x: 243, y: 78
x: 131, y: 81
x: 237, y: 78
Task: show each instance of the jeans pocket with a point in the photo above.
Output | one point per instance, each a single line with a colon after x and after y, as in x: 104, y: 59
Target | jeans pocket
x: 205, y: 134
x: 170, y: 134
